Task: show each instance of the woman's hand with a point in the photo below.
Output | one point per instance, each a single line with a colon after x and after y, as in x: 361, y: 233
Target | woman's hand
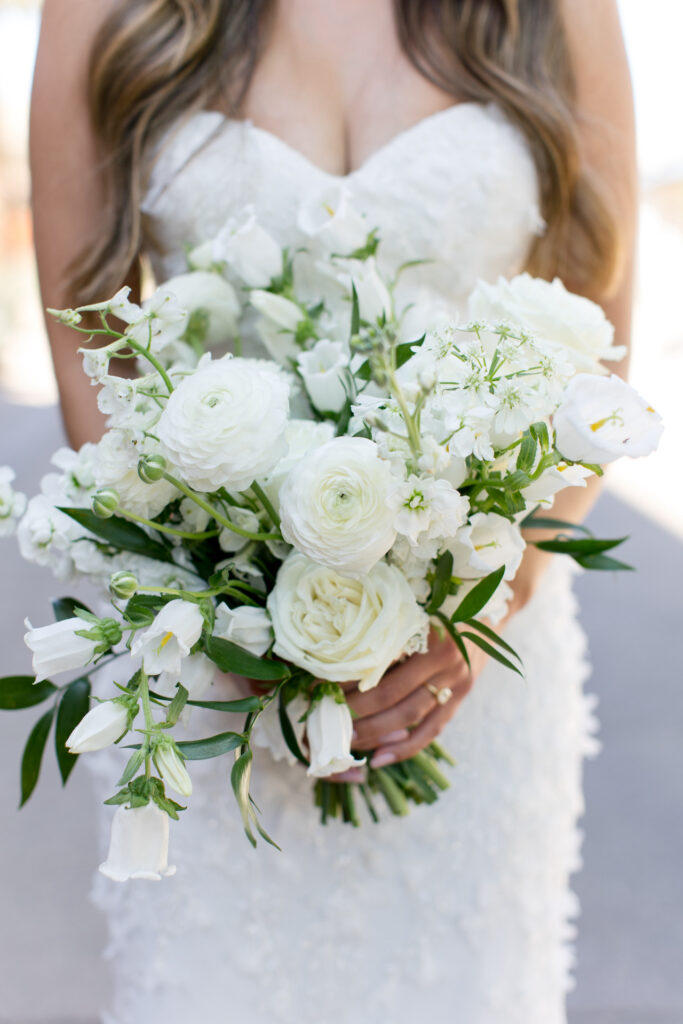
x: 406, y: 698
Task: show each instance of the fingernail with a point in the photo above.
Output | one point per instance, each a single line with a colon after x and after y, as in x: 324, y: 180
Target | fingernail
x: 351, y: 775
x: 380, y: 760
x: 394, y: 737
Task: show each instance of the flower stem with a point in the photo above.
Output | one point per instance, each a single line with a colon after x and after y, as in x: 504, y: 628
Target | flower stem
x: 163, y: 528
x: 215, y: 514
x: 267, y: 504
x: 143, y: 694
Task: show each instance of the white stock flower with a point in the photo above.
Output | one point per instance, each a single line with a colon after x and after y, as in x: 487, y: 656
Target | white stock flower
x: 543, y: 490
x: 267, y: 732
x: 340, y: 628
x: 78, y: 479
x: 46, y: 536
x: 116, y: 466
x: 101, y: 727
x: 164, y: 644
x: 428, y: 508
x: 138, y: 847
x: 196, y: 674
x: 223, y: 425
x: 334, y: 505
x: 245, y: 626
x: 549, y: 311
x: 374, y: 299
x: 57, y: 647
x: 159, y: 322
x: 204, y: 292
x: 329, y: 727
x: 249, y: 250
x: 487, y: 542
x: 172, y: 769
x: 324, y: 372
x: 12, y: 503
x: 603, y: 418
x: 331, y: 220
x: 302, y: 437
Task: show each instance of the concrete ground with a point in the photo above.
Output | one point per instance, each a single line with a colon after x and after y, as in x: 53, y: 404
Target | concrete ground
x: 631, y: 888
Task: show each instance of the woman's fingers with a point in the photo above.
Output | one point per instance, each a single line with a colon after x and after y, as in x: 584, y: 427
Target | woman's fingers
x: 422, y: 735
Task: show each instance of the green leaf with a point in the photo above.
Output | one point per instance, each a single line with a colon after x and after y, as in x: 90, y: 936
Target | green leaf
x: 212, y: 746
x: 33, y: 755
x: 442, y: 580
x: 602, y: 562
x: 261, y: 831
x: 355, y: 311
x: 581, y: 546
x: 120, y: 534
x: 478, y: 597
x: 73, y: 706
x: 231, y: 658
x: 240, y: 777
x: 22, y: 692
x: 288, y: 733
x: 176, y: 706
x: 65, y: 608
x: 246, y: 704
x: 141, y: 609
x: 539, y: 431
x: 492, y: 652
x: 493, y: 636
x: 132, y: 768
x: 533, y: 521
x: 455, y: 636
x: 527, y: 453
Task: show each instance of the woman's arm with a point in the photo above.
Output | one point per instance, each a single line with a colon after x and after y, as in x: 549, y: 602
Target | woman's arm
x: 68, y: 189
x: 608, y: 143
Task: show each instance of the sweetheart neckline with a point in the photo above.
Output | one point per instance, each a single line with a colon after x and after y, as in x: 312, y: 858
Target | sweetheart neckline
x: 378, y: 153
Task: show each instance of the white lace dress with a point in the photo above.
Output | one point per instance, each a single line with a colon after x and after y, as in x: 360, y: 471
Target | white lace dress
x: 461, y: 911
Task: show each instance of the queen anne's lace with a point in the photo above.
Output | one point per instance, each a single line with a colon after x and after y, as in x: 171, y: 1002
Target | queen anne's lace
x: 460, y: 911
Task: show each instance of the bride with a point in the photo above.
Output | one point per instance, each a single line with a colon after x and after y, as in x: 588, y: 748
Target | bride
x: 488, y: 136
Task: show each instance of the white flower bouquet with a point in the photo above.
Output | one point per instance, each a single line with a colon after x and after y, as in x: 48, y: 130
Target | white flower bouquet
x: 301, y: 520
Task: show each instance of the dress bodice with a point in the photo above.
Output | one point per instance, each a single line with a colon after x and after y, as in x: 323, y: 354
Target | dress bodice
x: 458, y: 190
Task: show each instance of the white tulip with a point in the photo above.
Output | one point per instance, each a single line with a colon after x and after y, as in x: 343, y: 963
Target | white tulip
x: 341, y: 628
x: 12, y: 503
x: 284, y: 313
x: 164, y: 644
x: 138, y: 847
x: 324, y: 371
x: 196, y: 675
x: 332, y: 221
x: 249, y: 250
x: 214, y: 427
x: 374, y: 299
x: 267, y: 732
x: 102, y: 726
x: 329, y: 727
x: 603, y: 418
x: 245, y: 626
x: 202, y: 291
x: 172, y: 769
x: 486, y: 543
x: 334, y: 505
x: 57, y: 647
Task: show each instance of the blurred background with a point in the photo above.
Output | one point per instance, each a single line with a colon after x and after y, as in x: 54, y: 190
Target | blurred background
x: 631, y: 888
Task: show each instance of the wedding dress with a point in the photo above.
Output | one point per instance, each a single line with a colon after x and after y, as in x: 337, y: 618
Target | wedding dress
x: 460, y: 912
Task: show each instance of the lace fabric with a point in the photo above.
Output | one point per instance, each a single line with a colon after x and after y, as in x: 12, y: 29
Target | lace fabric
x: 462, y: 910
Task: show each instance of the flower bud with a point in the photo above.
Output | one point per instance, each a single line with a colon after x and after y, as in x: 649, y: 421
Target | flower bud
x: 151, y: 468
x: 105, y: 502
x: 99, y: 728
x: 123, y: 584
x: 171, y: 768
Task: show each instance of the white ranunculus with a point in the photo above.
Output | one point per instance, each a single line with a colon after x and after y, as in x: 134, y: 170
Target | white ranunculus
x: 486, y: 543
x: 138, y: 847
x: 164, y: 644
x: 324, y: 371
x: 329, y: 218
x: 12, y: 503
x: 245, y: 626
x: 329, y: 727
x: 204, y: 292
x: 249, y: 250
x: 334, y: 505
x: 547, y: 310
x: 302, y: 437
x: 116, y: 465
x: 196, y: 674
x: 268, y: 734
x: 284, y: 313
x: 101, y: 727
x: 341, y: 628
x: 428, y: 508
x: 172, y: 769
x: 495, y: 608
x: 57, y: 647
x: 374, y: 299
x: 215, y: 427
x: 552, y: 480
x: 603, y: 418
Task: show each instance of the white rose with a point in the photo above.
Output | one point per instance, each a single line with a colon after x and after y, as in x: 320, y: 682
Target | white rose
x: 550, y: 312
x: 211, y: 294
x: 138, y: 847
x: 302, y: 437
x: 324, y: 371
x: 331, y: 220
x: 334, y: 505
x: 249, y: 250
x: 245, y: 626
x: 164, y: 644
x: 223, y: 425
x: 486, y: 543
x: 12, y: 503
x: 329, y: 727
x: 116, y: 465
x: 99, y: 728
x: 268, y: 734
x: 341, y: 628
x: 603, y: 418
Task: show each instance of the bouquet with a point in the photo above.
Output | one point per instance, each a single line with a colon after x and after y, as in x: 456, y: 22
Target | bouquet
x: 305, y: 518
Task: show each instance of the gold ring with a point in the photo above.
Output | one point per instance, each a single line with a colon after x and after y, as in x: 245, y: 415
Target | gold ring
x: 442, y: 694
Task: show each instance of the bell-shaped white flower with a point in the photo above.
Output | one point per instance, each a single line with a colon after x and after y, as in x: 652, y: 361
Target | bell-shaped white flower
x: 249, y: 250
x: 486, y: 543
x: 57, y: 647
x: 102, y: 726
x: 284, y: 313
x: 324, y: 372
x: 332, y: 221
x: 164, y: 644
x: 603, y: 418
x: 267, y: 732
x: 138, y: 847
x: 329, y: 727
x: 245, y: 626
x: 552, y: 480
x: 172, y: 769
x: 374, y: 299
x: 196, y: 675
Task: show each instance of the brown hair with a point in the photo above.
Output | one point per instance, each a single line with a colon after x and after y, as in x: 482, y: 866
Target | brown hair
x: 155, y: 60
